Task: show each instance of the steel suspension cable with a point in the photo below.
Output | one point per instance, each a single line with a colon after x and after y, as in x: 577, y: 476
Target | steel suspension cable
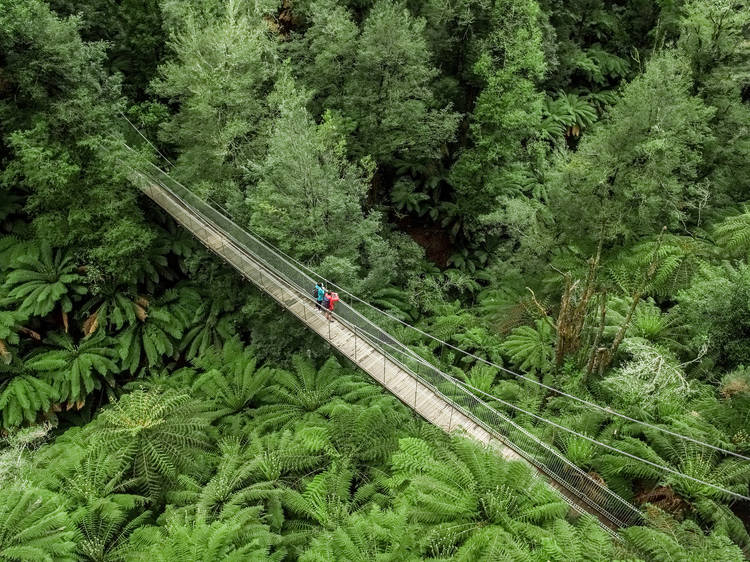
x: 460, y: 384
x: 377, y: 310
x: 474, y: 390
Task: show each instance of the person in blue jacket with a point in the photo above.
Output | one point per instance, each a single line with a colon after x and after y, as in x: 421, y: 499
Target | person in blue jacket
x: 320, y: 292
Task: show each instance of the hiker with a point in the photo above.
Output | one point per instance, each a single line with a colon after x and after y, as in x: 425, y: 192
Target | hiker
x: 326, y: 304
x: 319, y: 292
x: 333, y: 298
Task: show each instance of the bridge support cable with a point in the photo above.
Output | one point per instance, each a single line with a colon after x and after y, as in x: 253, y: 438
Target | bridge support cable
x: 385, y: 318
x: 434, y: 395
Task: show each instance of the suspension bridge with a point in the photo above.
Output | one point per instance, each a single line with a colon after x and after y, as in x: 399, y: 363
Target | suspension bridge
x: 439, y: 398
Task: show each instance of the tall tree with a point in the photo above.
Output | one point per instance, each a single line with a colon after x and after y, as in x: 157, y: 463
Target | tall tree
x: 309, y: 198
x: 222, y: 70
x: 61, y: 127
x: 638, y: 171
x: 507, y: 113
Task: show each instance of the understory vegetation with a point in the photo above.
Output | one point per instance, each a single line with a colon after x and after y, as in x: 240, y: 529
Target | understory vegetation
x: 561, y: 189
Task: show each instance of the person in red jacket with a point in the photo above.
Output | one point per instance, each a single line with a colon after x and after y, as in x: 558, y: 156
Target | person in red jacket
x: 331, y: 299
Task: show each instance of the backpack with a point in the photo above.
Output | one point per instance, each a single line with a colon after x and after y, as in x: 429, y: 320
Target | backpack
x: 315, y: 292
x: 326, y: 301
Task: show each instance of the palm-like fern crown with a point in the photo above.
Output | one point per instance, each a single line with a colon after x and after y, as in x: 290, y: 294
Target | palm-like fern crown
x: 160, y: 435
x: 307, y: 394
x: 236, y: 483
x: 374, y: 535
x: 326, y: 500
x: 159, y: 330
x: 9, y: 320
x: 22, y: 395
x: 463, y: 493
x: 676, y: 260
x: 530, y: 348
x: 365, y: 435
x: 667, y: 539
x: 40, y: 280
x: 733, y: 234
x: 34, y: 527
x: 236, y: 383
x: 76, y: 369
x: 98, y: 481
x: 685, y: 457
x: 112, y: 307
x: 213, y: 324
x: 238, y: 538
x: 102, y: 533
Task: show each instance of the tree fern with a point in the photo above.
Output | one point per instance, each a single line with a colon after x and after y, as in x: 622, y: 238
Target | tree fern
x: 682, y: 456
x: 733, y: 234
x: 682, y: 543
x: 676, y: 260
x: 213, y: 324
x: 76, y: 369
x: 23, y: 396
x: 396, y: 302
x: 325, y: 500
x: 42, y: 280
x: 243, y: 537
x: 365, y: 436
x: 95, y: 480
x: 34, y: 527
x: 531, y: 348
x: 157, y: 334
x: 102, y: 534
x: 112, y: 307
x: 585, y: 540
x: 9, y: 321
x: 461, y: 491
x: 236, y: 483
x: 375, y: 535
x: 235, y: 385
x: 307, y: 394
x: 159, y: 435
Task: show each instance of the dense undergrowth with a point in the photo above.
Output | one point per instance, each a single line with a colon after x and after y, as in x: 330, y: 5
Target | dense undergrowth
x: 586, y: 166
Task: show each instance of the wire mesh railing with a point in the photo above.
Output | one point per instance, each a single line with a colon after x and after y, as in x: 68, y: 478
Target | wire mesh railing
x: 587, y: 491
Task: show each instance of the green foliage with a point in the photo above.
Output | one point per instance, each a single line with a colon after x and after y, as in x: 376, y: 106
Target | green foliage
x: 235, y: 385
x: 213, y: 325
x: 222, y: 69
x: 508, y: 110
x: 60, y: 138
x: 34, y: 526
x: 157, y: 333
x: 531, y: 348
x: 243, y: 536
x: 580, y: 122
x: 308, y: 394
x: 374, y: 535
x: 386, y: 65
x: 471, y: 502
x: 76, y: 369
x: 23, y: 396
x: 715, y: 306
x: 639, y: 171
x: 682, y: 542
x: 159, y: 436
x: 733, y: 234
x: 309, y: 201
x: 41, y: 280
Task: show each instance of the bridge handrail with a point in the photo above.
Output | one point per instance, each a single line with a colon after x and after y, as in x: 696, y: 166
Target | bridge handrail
x: 550, y: 461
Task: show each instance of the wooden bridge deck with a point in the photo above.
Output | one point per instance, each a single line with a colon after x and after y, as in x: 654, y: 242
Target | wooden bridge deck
x: 433, y: 407
x: 370, y: 359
